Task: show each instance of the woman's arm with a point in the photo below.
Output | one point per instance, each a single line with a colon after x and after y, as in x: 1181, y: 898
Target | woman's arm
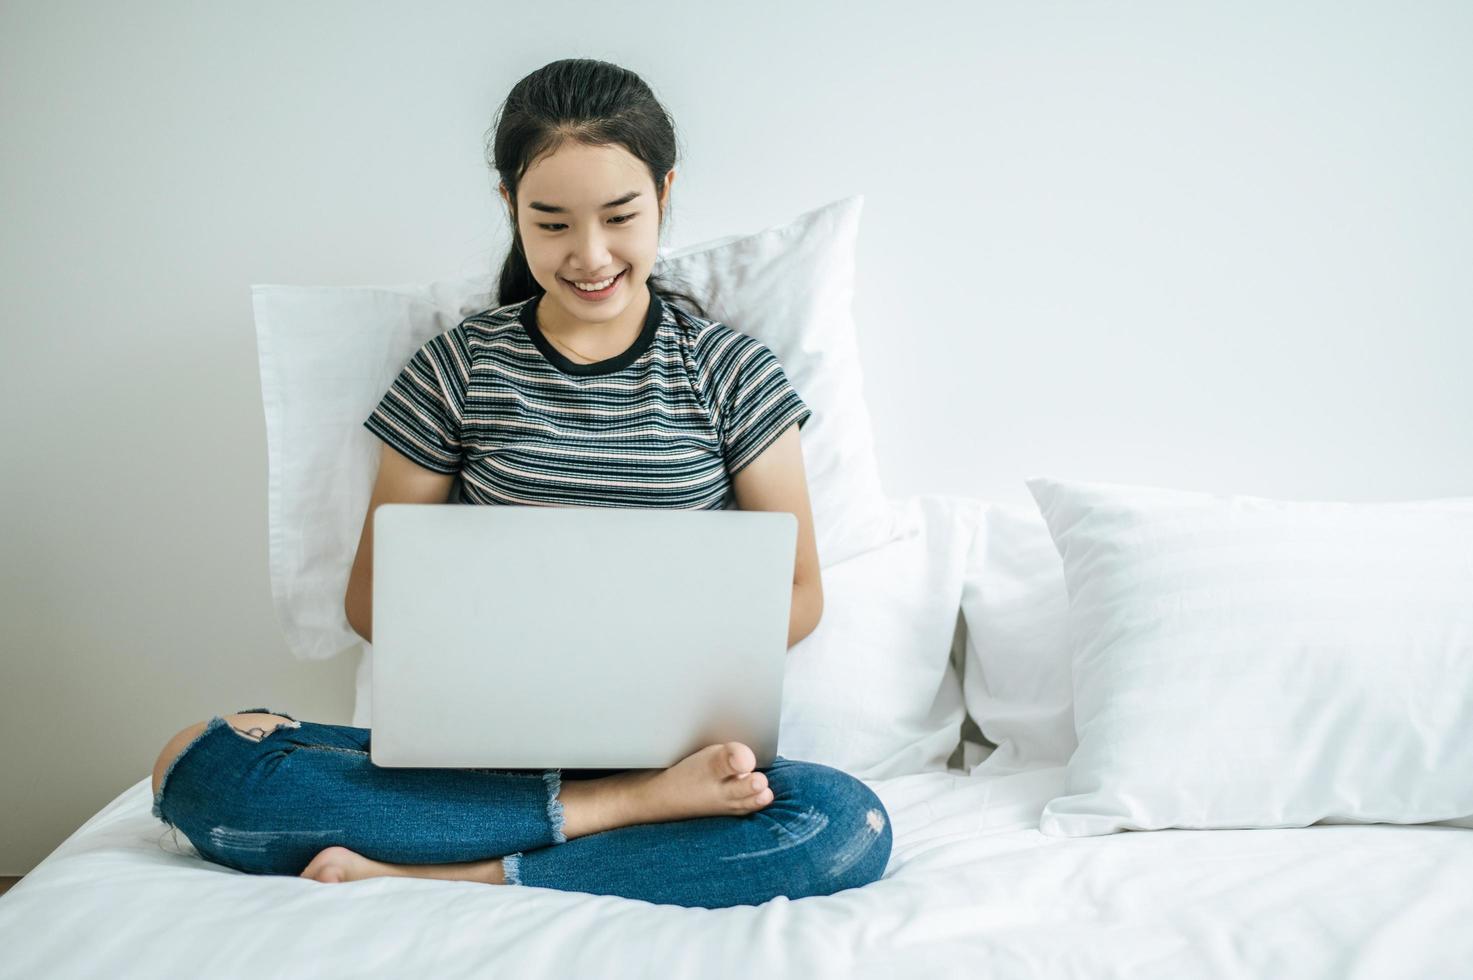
x: 807, y: 611
x: 401, y: 481
x: 776, y: 481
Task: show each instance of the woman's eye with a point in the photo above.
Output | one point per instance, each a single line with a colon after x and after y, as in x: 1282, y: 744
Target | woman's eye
x: 620, y: 219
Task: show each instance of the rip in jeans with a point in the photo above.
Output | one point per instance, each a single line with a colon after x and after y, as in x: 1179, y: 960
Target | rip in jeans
x: 859, y: 844
x: 256, y: 732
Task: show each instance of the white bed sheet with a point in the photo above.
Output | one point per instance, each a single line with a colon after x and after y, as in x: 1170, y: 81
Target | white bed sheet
x: 973, y: 889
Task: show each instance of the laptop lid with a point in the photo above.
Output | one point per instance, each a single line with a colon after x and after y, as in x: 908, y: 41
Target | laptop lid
x: 513, y: 637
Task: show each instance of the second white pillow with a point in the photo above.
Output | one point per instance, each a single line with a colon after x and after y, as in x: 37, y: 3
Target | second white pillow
x: 872, y: 690
x: 1016, y: 679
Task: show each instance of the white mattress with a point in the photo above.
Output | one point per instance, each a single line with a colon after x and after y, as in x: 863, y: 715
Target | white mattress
x: 973, y: 889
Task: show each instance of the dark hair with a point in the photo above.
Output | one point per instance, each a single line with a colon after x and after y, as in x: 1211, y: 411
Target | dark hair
x: 597, y: 104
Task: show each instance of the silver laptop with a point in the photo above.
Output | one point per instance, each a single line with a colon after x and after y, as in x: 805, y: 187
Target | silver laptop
x: 512, y: 637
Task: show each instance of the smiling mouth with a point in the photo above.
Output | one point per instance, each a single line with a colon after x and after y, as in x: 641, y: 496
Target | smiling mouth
x: 608, y: 280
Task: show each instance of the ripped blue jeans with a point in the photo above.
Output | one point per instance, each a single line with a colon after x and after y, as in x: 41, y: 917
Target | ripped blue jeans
x: 268, y: 806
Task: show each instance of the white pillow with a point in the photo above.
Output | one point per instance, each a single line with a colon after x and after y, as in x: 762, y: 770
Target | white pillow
x: 872, y: 689
x: 1250, y: 663
x: 328, y: 354
x: 1016, y: 679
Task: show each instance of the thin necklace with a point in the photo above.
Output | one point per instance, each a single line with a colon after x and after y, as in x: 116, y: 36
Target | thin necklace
x: 561, y: 344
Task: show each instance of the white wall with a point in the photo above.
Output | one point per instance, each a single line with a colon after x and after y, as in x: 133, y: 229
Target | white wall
x: 1215, y: 248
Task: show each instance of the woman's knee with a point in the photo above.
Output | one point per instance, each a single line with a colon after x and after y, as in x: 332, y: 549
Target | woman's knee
x: 172, y: 750
x: 852, y: 847
x: 209, y: 795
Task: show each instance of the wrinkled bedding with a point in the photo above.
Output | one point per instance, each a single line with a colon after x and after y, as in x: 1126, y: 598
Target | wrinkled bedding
x: 973, y: 889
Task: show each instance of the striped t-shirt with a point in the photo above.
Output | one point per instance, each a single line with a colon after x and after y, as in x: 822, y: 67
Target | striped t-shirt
x: 664, y: 424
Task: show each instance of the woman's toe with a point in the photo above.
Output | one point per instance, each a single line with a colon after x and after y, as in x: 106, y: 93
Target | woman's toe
x: 738, y: 759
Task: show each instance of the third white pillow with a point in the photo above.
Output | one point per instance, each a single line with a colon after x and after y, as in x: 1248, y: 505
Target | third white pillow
x: 1241, y: 662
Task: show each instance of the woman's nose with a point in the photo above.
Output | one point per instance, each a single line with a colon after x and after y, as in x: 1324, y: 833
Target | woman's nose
x: 590, y: 253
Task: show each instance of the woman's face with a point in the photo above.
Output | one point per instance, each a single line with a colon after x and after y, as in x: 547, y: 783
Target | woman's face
x: 585, y: 214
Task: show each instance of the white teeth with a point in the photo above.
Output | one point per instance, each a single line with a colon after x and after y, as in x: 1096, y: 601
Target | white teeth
x: 595, y: 286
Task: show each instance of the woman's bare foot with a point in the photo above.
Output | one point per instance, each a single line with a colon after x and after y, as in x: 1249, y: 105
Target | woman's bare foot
x: 334, y: 864
x: 715, y: 781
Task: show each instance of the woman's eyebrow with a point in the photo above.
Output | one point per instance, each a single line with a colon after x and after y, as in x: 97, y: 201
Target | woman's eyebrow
x: 554, y: 209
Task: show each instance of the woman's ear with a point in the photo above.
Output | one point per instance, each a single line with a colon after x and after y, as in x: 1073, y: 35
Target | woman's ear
x: 511, y: 208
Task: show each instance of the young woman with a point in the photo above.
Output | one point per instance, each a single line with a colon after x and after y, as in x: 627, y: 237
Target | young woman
x: 587, y: 386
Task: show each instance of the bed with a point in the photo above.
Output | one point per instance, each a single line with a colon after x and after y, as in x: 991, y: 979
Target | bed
x: 1119, y: 732
x: 972, y: 889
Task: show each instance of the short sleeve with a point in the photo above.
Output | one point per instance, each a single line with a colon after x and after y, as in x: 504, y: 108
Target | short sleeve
x: 758, y: 404
x: 421, y: 413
